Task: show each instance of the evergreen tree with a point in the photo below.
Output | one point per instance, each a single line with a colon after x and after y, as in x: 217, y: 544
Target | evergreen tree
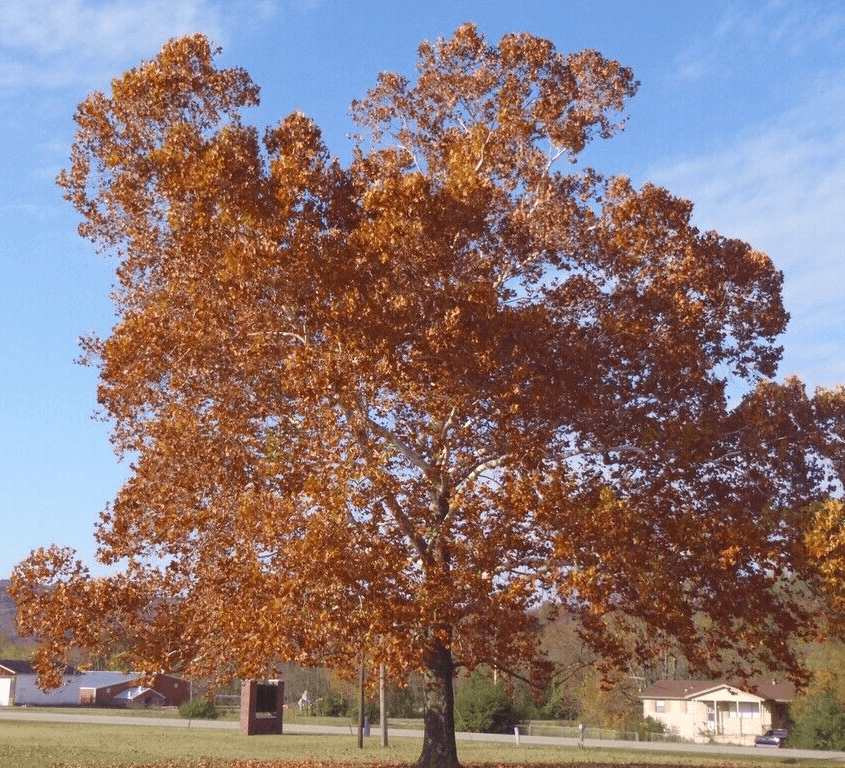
x: 482, y: 706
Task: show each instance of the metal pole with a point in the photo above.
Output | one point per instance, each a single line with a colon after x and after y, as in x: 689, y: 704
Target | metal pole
x: 361, y: 706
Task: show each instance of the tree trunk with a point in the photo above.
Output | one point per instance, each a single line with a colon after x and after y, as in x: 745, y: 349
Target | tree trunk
x: 439, y: 747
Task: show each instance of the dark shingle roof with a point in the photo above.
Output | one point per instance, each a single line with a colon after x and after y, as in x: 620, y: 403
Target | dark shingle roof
x: 775, y: 690
x: 16, y: 666
x: 678, y: 689
x: 21, y: 667
x: 769, y: 689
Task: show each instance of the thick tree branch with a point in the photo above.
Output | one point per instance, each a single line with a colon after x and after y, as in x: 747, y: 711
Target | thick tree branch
x: 406, y: 450
x: 407, y: 527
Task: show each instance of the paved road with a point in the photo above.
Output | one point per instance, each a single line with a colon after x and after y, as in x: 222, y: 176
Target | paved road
x: 780, y: 755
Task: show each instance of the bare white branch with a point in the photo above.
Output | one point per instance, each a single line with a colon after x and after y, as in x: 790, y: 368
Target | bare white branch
x: 481, y: 467
x: 397, y: 442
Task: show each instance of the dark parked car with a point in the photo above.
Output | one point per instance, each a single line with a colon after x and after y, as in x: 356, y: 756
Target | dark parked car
x: 773, y: 738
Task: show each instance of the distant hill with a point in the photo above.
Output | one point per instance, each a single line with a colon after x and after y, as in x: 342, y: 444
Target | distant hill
x: 7, y: 612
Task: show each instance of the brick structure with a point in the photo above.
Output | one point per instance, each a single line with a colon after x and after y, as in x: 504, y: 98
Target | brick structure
x: 262, y: 707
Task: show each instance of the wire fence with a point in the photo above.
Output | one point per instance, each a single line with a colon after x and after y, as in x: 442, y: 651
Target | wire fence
x: 531, y: 728
x: 226, y: 701
x: 667, y: 738
x: 595, y: 734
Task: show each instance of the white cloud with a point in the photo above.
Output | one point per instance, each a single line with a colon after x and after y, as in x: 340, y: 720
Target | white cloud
x: 46, y: 28
x: 50, y: 43
x: 781, y: 187
x: 787, y: 26
x: 755, y: 30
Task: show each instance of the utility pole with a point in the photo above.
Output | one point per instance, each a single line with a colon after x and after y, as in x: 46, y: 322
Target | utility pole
x: 382, y: 706
x: 361, y: 705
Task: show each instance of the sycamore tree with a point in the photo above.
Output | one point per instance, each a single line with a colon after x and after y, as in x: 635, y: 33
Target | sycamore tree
x: 391, y: 405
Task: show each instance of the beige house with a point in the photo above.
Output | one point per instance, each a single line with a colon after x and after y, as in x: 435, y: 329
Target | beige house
x: 708, y: 710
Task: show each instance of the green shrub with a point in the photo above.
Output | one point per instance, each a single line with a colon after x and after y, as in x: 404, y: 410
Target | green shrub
x: 371, y: 711
x: 821, y: 724
x: 649, y: 726
x: 561, y: 704
x: 481, y: 706
x: 198, y: 709
x: 405, y: 702
x: 333, y: 705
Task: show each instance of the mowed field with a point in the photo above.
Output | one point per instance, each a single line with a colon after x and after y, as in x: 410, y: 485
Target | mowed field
x: 47, y: 745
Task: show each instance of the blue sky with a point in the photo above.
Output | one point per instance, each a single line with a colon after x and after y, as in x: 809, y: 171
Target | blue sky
x: 740, y: 109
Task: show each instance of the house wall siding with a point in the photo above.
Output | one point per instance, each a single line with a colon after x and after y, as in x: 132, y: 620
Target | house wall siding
x: 93, y: 688
x: 725, y: 714
x: 7, y: 691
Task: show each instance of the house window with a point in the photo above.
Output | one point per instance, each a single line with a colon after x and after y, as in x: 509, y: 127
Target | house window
x: 659, y: 705
x: 749, y: 709
x: 683, y: 706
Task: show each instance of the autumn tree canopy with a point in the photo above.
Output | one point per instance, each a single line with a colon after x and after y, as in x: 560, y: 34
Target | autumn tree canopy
x: 395, y: 403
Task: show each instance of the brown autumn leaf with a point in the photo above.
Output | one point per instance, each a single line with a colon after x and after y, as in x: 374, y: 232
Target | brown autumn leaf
x: 392, y: 406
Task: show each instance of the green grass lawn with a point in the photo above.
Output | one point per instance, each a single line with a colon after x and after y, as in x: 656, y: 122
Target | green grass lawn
x: 45, y: 745
x: 291, y: 716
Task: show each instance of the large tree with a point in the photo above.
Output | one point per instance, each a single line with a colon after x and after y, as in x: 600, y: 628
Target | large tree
x: 391, y: 405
